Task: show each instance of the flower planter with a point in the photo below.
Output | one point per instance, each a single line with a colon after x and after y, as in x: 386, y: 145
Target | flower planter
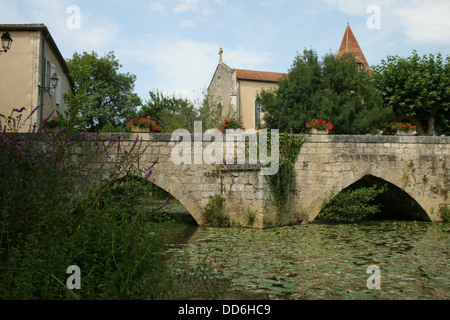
x: 321, y: 127
x: 319, y: 131
x: 405, y: 133
x: 142, y: 125
x: 138, y: 129
x: 231, y: 130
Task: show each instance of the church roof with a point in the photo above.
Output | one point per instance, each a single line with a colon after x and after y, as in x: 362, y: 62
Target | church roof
x: 350, y: 44
x: 258, y: 75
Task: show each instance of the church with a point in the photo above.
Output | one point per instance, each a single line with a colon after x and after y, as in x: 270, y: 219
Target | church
x: 234, y: 91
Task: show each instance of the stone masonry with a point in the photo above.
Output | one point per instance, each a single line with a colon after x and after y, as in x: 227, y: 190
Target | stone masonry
x: 326, y: 165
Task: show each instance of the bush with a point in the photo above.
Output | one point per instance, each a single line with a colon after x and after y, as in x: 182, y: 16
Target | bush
x: 215, y: 212
x: 445, y: 213
x: 56, y: 211
x: 352, y: 205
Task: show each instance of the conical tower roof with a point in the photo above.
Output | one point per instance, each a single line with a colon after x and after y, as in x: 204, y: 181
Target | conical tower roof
x: 350, y: 44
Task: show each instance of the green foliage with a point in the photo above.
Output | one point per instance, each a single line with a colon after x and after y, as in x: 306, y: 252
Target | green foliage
x: 214, y: 212
x: 170, y: 113
x: 281, y: 183
x: 209, y: 114
x: 102, y: 94
x: 110, y: 128
x: 352, y: 205
x: 56, y: 212
x: 331, y: 89
x: 251, y: 215
x: 417, y: 89
x: 445, y: 212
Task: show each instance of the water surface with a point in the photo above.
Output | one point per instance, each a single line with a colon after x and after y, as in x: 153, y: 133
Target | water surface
x: 320, y: 261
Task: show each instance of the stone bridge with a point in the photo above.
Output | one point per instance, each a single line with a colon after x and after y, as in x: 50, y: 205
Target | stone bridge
x: 417, y: 170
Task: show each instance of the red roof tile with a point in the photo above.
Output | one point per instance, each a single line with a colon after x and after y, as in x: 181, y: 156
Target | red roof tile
x: 258, y: 75
x: 350, y: 44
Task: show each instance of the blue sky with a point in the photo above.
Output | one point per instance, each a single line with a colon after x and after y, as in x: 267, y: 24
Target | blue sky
x: 173, y: 45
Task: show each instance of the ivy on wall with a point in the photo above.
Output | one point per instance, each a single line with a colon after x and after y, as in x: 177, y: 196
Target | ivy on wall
x: 281, y: 183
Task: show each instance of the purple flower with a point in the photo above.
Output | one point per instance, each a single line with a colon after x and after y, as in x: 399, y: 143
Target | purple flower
x: 19, y: 110
x: 149, y: 173
x: 62, y: 130
x: 167, y: 201
x: 134, y: 144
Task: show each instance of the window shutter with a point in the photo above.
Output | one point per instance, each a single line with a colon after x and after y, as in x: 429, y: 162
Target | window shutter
x: 52, y: 72
x: 59, y: 91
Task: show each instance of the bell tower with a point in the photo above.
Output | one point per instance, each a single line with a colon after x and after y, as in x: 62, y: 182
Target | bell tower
x: 350, y: 45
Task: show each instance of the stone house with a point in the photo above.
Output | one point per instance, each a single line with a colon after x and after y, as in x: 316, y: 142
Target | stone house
x: 28, y: 71
x: 234, y: 91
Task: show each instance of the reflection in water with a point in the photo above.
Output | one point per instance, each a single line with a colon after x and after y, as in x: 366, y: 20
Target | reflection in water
x: 330, y: 261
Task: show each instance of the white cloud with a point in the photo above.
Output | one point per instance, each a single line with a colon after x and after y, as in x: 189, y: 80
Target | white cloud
x: 185, y: 66
x: 9, y: 12
x: 357, y: 7
x: 157, y: 7
x: 98, y: 36
x: 271, y: 3
x: 179, y: 66
x: 95, y: 33
x: 426, y: 21
x: 188, y: 5
x: 187, y: 23
x: 194, y: 6
x: 421, y: 21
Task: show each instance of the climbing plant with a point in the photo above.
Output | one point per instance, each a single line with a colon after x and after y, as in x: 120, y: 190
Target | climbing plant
x: 280, y: 183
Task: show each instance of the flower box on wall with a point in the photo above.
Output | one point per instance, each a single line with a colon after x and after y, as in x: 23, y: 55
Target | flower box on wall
x: 405, y: 133
x: 319, y: 131
x: 141, y: 125
x: 319, y: 127
x: 404, y: 129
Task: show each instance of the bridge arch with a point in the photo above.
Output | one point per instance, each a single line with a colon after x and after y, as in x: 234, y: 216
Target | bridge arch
x: 397, y: 203
x: 174, y: 187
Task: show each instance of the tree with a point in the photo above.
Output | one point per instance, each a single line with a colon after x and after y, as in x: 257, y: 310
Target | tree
x: 209, y: 113
x: 332, y: 89
x: 102, y: 94
x: 418, y: 90
x: 170, y: 113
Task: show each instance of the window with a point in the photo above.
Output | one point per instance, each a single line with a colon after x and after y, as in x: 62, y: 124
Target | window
x: 257, y: 114
x: 220, y: 109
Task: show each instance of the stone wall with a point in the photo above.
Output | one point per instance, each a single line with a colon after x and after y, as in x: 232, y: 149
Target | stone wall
x: 243, y: 186
x: 326, y: 165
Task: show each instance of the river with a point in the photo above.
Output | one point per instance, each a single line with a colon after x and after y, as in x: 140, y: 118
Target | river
x: 330, y: 262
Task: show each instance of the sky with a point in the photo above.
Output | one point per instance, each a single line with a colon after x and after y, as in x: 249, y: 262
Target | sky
x: 172, y: 45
